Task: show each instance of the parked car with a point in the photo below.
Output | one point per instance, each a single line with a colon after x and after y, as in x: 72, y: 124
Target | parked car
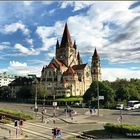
x: 127, y: 108
x: 120, y: 106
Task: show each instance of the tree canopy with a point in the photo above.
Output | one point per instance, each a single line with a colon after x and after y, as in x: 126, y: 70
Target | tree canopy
x: 105, y: 90
x: 119, y: 90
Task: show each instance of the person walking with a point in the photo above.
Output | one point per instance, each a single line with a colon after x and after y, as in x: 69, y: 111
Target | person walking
x: 90, y: 111
x: 94, y: 109
x: 9, y: 133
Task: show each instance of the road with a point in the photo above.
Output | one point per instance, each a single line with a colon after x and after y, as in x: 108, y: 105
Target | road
x: 82, y: 121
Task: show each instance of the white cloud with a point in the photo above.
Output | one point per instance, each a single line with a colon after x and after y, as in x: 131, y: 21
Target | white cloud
x: 25, y: 51
x: 4, y: 45
x: 45, y: 33
x: 17, y: 64
x: 77, y: 5
x: 112, y: 74
x: 27, y: 3
x: 18, y: 68
x: 23, y: 69
x: 30, y: 41
x: 47, y: 2
x: 52, y: 11
x: 111, y: 27
x: 13, y: 27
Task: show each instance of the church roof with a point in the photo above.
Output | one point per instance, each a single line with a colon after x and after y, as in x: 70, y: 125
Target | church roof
x: 65, y: 81
x: 55, y: 63
x: 58, y: 62
x: 66, y: 39
x: 79, y: 67
x: 51, y: 66
x: 69, y: 71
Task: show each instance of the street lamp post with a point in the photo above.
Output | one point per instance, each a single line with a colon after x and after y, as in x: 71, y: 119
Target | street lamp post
x: 36, y: 107
x: 54, y: 111
x: 98, y: 97
x: 43, y: 105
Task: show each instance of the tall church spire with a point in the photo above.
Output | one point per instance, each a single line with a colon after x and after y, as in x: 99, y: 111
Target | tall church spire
x: 66, y: 39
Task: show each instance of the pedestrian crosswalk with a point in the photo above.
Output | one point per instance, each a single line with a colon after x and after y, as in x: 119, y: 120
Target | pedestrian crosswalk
x: 37, y: 131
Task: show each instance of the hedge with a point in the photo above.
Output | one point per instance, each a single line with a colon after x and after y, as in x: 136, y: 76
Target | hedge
x: 6, y: 120
x: 125, y: 129
x: 16, y: 114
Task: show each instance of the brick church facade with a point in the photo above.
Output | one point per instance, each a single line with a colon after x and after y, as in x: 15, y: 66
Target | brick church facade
x: 66, y: 75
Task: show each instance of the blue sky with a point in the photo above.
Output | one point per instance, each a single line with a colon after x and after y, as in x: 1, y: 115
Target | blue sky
x: 29, y: 30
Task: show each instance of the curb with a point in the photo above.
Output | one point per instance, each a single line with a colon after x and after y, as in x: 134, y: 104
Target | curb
x: 77, y: 122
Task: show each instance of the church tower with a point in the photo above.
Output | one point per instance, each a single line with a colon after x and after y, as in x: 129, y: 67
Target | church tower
x: 66, y: 52
x: 95, y: 67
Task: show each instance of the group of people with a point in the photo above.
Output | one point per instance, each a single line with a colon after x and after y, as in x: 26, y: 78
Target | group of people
x: 91, y: 110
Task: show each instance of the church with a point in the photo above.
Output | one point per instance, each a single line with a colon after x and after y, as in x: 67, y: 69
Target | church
x: 66, y: 75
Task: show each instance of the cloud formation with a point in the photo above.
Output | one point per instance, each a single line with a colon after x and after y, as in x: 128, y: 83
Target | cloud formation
x: 76, y: 5
x: 111, y: 27
x: 46, y: 33
x: 4, y: 45
x: 25, y: 51
x: 112, y: 74
x: 23, y: 69
x: 13, y: 27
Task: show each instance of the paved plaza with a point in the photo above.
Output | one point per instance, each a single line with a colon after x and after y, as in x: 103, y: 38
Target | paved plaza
x: 81, y: 121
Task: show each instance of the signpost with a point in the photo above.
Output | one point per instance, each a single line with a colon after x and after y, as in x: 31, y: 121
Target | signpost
x: 101, y: 97
x: 54, y: 104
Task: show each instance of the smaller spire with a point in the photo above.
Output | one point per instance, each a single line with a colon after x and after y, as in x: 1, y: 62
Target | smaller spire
x: 57, y: 44
x: 43, y: 69
x: 74, y: 45
x: 79, y: 58
x: 95, y: 55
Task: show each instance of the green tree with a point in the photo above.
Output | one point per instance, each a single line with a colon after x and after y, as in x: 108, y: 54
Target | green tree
x: 119, y: 83
x: 104, y: 90
x: 24, y: 93
x: 133, y: 91
x: 41, y: 90
x: 136, y: 82
x: 5, y: 92
x: 122, y: 93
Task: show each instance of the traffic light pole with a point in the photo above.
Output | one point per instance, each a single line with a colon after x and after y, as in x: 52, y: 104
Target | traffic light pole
x: 54, y: 113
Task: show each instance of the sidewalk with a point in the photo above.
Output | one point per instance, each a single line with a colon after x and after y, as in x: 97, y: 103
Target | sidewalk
x: 79, y: 118
x: 9, y: 133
